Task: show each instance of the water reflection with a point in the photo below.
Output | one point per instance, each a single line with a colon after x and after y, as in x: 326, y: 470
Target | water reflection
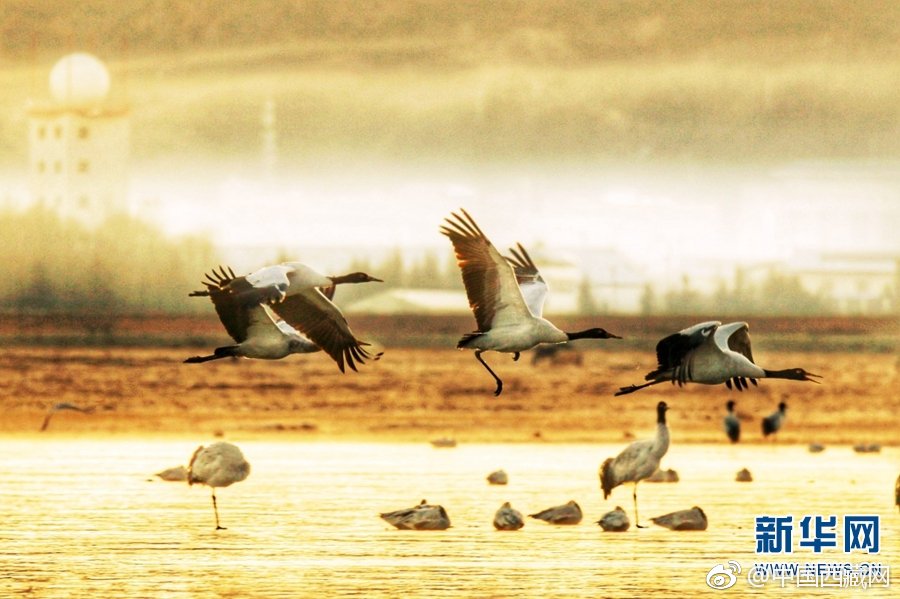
x: 82, y: 517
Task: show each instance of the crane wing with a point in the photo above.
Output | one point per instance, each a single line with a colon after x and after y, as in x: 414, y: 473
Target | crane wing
x: 262, y: 322
x: 674, y: 349
x: 233, y: 316
x: 490, y: 282
x: 532, y: 285
x: 324, y: 324
x: 739, y: 341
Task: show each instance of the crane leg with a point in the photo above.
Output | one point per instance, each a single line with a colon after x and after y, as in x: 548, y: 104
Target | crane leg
x: 637, y: 520
x: 493, y: 374
x: 216, y: 512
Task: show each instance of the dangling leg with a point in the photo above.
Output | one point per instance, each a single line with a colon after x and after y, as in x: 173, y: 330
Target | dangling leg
x: 478, y: 353
x: 633, y: 388
x: 637, y: 520
x: 216, y: 511
x: 219, y: 353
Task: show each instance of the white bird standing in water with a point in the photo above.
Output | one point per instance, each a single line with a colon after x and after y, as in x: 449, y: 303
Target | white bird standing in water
x: 732, y: 424
x: 637, y: 461
x: 505, y: 294
x: 711, y: 353
x: 220, y: 464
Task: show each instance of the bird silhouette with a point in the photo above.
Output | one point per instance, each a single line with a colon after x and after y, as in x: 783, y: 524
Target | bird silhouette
x: 61, y: 407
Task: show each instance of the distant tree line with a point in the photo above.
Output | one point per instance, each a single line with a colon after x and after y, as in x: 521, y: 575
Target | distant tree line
x: 776, y: 294
x: 125, y: 266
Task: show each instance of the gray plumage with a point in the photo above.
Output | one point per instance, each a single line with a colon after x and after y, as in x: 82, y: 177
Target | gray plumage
x: 175, y: 474
x: 508, y: 518
x: 731, y: 423
x: 637, y: 461
x: 772, y: 423
x: 498, y: 477
x: 420, y: 517
x: 692, y: 519
x: 711, y: 353
x: 220, y: 464
x: 615, y: 521
x: 568, y: 513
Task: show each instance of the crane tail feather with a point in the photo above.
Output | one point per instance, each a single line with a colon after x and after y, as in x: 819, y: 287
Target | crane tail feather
x: 606, y: 477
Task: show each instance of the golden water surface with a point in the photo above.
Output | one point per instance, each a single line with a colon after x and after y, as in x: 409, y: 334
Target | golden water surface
x: 83, y: 518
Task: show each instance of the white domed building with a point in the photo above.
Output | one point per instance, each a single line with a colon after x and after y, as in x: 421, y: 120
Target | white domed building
x: 79, y: 143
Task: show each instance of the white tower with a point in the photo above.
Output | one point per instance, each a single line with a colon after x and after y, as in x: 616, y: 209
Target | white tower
x: 79, y: 144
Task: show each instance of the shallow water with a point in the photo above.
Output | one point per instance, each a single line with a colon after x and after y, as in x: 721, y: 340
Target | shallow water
x: 86, y: 517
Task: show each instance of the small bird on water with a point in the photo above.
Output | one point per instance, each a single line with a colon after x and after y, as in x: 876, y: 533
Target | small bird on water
x: 220, y: 464
x: 692, y: 519
x: 498, y: 477
x: 615, y: 521
x: 420, y: 517
x: 568, y: 513
x: 508, y: 518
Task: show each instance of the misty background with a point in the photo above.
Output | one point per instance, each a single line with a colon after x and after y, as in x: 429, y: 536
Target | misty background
x: 683, y: 157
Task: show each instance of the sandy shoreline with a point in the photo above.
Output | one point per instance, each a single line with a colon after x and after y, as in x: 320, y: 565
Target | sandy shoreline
x: 421, y: 394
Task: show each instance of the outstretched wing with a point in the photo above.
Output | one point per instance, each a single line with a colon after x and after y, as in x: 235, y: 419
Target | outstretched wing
x: 531, y: 283
x: 324, y: 324
x: 233, y: 316
x: 672, y: 350
x: 739, y: 341
x: 490, y: 281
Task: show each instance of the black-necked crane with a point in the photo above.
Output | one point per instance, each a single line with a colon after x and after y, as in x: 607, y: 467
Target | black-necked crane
x: 279, y: 283
x: 568, y: 513
x: 261, y: 334
x: 506, y: 296
x: 637, y: 461
x: 711, y: 353
x: 732, y: 423
x: 772, y: 423
x: 217, y: 465
x: 420, y: 517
